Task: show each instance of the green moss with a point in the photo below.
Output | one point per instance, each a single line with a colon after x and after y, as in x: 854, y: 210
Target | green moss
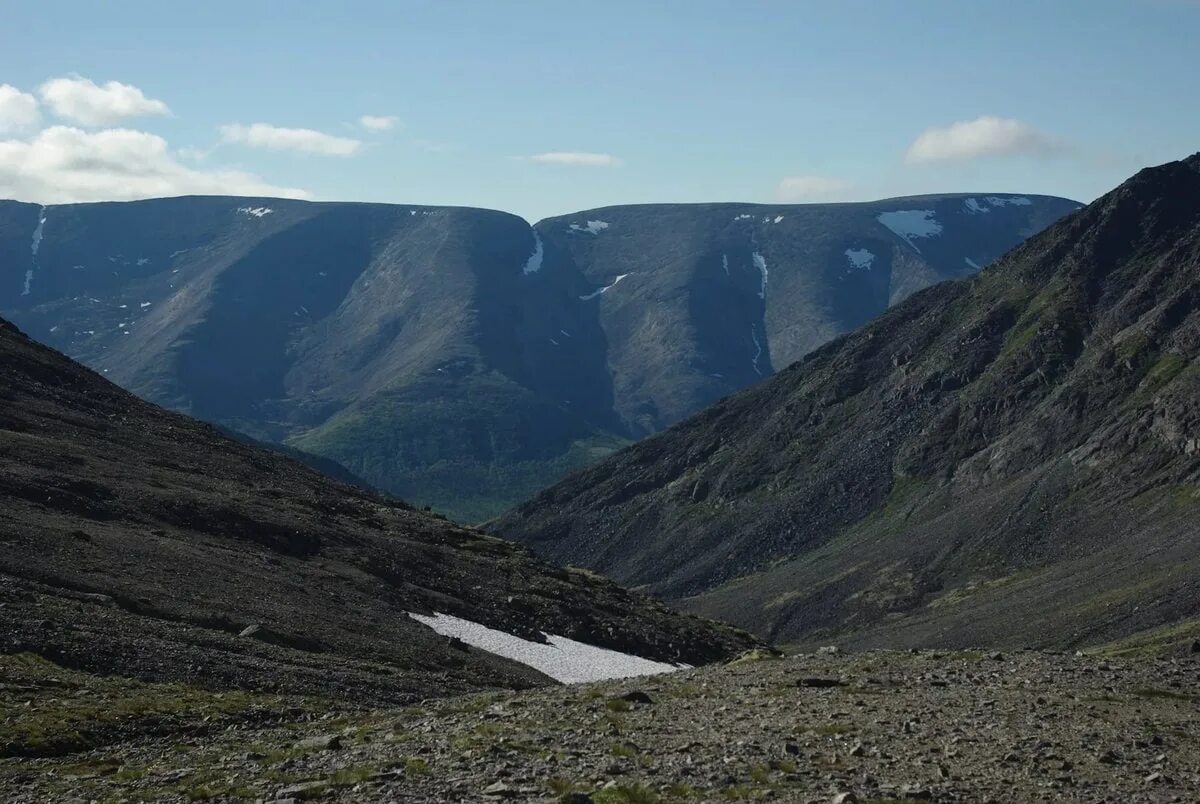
x: 1165, y: 368
x: 1155, y: 692
x: 1153, y: 642
x: 623, y: 750
x: 415, y: 766
x: 755, y: 656
x: 80, y: 711
x: 627, y: 794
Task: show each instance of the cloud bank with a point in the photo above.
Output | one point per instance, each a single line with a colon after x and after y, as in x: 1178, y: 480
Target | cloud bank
x: 800, y: 189
x: 275, y: 138
x: 575, y: 159
x: 82, y: 101
x: 982, y: 137
x: 18, y: 110
x: 373, y: 122
x: 64, y: 164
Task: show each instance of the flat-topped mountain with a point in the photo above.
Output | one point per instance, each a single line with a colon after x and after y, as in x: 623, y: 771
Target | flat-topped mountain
x: 458, y: 357
x: 138, y: 542
x: 1009, y: 459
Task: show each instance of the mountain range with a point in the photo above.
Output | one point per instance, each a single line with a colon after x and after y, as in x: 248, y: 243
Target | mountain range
x: 137, y: 542
x: 460, y: 358
x: 1010, y: 459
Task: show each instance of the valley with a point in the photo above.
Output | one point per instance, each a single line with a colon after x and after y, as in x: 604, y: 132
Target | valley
x: 460, y: 358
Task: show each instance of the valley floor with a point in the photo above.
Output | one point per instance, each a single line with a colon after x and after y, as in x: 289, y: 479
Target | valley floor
x: 879, y: 726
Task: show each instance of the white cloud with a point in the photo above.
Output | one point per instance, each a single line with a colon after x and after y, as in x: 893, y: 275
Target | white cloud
x: 575, y: 158
x: 982, y: 137
x: 62, y: 164
x: 82, y: 101
x: 18, y: 110
x: 797, y: 189
x: 304, y: 140
x: 373, y: 122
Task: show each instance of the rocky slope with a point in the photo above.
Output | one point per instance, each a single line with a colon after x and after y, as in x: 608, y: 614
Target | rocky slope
x: 457, y: 357
x: 874, y: 727
x: 139, y: 542
x: 1010, y: 459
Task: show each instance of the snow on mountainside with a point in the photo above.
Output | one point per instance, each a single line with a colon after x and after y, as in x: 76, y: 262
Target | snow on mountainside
x: 424, y: 348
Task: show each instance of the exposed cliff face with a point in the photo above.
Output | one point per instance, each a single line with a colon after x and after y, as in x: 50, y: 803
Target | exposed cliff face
x: 138, y: 542
x: 457, y: 357
x: 1009, y: 458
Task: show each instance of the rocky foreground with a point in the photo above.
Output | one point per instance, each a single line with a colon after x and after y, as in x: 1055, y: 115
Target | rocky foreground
x: 878, y: 726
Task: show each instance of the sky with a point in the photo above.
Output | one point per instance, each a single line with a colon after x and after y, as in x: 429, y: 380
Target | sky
x: 545, y: 108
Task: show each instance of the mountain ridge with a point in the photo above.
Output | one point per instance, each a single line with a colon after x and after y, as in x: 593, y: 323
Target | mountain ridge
x: 822, y: 502
x: 459, y: 357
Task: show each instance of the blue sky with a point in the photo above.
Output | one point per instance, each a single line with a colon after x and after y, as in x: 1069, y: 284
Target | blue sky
x: 633, y: 101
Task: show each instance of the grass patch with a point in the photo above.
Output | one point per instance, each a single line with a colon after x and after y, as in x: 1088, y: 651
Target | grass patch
x: 627, y: 794
x: 831, y: 729
x: 63, y: 711
x: 1155, y: 692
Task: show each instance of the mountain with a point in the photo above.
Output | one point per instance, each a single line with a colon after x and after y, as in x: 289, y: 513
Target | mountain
x: 138, y: 542
x: 458, y: 357
x: 1009, y: 459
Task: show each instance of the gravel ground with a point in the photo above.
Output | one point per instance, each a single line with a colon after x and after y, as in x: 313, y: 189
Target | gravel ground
x: 878, y: 726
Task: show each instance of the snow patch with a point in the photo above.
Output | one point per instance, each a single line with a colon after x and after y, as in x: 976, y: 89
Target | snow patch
x: 144, y: 305
x: 971, y: 263
x: 743, y: 217
x: 257, y: 212
x: 564, y: 660
x: 778, y: 218
x: 143, y: 261
x: 34, y: 246
x: 974, y: 206
x: 910, y: 224
x: 725, y: 263
x: 757, y: 350
x: 534, y: 263
x: 1011, y: 201
x: 860, y: 258
x: 760, y: 263
x: 592, y: 227
x: 603, y: 290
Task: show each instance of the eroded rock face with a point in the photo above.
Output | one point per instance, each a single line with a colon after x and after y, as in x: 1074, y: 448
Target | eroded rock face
x: 458, y: 357
x: 970, y: 467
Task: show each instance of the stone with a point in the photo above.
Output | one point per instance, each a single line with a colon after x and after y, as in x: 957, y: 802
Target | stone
x: 820, y: 682
x: 304, y: 791
x: 499, y: 790
x: 326, y: 742
x: 637, y: 697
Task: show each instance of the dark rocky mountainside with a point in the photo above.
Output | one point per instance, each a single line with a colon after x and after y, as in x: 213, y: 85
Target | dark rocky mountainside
x: 458, y: 357
x: 1009, y: 459
x: 139, y: 542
